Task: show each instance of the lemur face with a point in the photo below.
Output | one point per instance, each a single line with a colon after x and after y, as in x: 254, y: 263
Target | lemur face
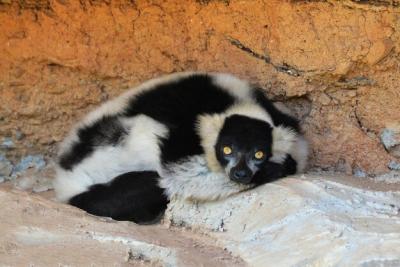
x: 243, y: 145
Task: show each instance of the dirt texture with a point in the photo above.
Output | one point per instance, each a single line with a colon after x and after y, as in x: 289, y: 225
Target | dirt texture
x: 335, y: 63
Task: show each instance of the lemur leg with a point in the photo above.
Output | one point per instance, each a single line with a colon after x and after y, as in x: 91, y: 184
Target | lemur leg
x: 133, y: 196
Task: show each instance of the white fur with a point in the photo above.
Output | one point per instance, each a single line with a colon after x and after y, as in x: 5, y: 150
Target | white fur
x: 193, y: 180
x: 283, y: 139
x: 117, y: 105
x: 233, y: 85
x: 251, y: 110
x: 138, y: 152
x: 299, y: 152
x: 297, y: 146
x: 142, y: 142
x: 208, y: 127
x: 103, y: 164
x: 286, y: 141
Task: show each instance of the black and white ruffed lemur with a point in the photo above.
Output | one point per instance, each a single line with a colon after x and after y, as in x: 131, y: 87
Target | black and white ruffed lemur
x: 200, y: 136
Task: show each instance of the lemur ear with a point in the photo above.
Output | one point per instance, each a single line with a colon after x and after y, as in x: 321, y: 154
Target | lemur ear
x: 283, y: 140
x: 208, y: 128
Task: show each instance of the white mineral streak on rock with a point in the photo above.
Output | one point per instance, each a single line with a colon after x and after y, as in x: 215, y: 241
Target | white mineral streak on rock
x: 35, y: 236
x: 141, y: 250
x: 297, y: 222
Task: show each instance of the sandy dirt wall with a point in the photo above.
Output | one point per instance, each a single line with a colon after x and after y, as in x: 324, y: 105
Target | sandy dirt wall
x: 336, y: 63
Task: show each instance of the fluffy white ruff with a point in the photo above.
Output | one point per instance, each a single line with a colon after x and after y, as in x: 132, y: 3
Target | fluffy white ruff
x: 209, y: 126
x: 283, y: 140
x: 193, y: 180
x: 300, y: 153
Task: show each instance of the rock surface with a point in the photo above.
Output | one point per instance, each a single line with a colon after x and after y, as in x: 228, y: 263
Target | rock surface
x: 298, y: 221
x: 309, y: 221
x: 336, y: 63
x: 37, y: 232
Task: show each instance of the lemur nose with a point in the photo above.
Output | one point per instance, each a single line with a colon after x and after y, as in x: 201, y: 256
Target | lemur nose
x: 241, y: 174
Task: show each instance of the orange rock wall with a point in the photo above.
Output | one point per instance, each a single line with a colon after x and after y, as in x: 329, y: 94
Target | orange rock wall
x: 335, y: 63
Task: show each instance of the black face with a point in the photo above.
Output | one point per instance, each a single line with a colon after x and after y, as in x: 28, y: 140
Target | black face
x: 243, y: 145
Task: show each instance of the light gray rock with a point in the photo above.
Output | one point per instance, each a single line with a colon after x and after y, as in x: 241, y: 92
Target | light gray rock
x: 7, y: 143
x: 31, y: 161
x: 393, y: 165
x: 6, y: 168
x: 301, y: 222
x: 390, y: 138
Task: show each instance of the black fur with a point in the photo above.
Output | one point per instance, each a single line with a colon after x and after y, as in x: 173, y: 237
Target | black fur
x: 133, y: 196
x: 246, y: 136
x: 272, y: 171
x: 177, y: 105
x: 278, y: 117
x: 106, y: 131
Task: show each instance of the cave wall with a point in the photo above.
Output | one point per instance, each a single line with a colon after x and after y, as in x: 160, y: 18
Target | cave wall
x: 335, y: 63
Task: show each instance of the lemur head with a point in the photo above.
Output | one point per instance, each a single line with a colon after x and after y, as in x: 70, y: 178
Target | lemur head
x: 241, y: 139
x: 242, y: 146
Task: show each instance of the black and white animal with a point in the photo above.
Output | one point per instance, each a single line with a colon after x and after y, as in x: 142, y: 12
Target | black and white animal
x: 200, y: 136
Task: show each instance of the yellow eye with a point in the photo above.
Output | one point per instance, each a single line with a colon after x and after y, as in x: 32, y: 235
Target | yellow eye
x: 259, y: 155
x: 227, y: 150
